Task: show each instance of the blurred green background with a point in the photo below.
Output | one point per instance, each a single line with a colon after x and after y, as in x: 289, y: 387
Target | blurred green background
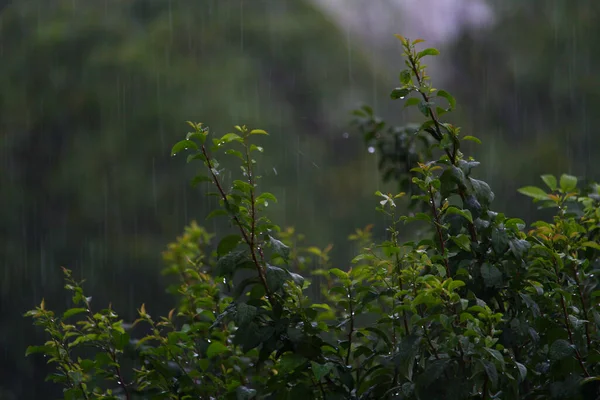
x: 93, y: 93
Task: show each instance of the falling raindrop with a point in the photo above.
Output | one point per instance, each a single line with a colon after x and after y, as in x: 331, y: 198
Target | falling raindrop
x: 345, y: 135
x: 371, y: 149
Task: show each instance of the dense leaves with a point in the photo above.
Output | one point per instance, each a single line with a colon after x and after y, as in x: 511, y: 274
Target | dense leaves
x: 474, y: 307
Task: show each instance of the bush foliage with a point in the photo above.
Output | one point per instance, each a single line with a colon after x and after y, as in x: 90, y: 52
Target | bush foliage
x: 477, y: 305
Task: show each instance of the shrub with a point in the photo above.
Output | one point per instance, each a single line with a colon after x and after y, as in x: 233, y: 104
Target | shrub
x: 476, y: 306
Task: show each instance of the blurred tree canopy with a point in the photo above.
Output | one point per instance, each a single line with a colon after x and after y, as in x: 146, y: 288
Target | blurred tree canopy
x: 94, y: 93
x: 532, y: 77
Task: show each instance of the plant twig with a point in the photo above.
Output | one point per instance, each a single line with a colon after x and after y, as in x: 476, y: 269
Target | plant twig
x: 438, y: 228
x: 248, y: 240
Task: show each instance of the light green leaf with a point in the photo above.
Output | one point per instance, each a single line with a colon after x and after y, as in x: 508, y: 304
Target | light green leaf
x: 258, y: 132
x: 593, y: 245
x: 405, y: 77
x: 428, y: 52
x: 568, y: 183
x: 229, y: 137
x: 533, y: 191
x: 472, y: 139
x: 550, y: 181
x: 73, y: 311
x: 215, y: 349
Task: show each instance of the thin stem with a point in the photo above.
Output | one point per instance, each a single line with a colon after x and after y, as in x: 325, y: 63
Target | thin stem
x: 248, y: 240
x: 438, y: 133
x: 351, y: 331
x: 438, y: 228
x: 583, y: 306
x: 568, y: 326
x: 484, y: 389
x: 577, y: 354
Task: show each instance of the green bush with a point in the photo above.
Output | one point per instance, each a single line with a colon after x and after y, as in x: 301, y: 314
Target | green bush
x: 475, y: 306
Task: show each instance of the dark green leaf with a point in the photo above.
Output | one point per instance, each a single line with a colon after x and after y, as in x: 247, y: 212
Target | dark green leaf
x: 491, y: 372
x: 244, y: 393
x: 280, y: 248
x: 447, y: 96
x: 491, y: 275
x: 320, y: 370
x: 399, y: 93
x: 183, y: 145
x: 464, y: 213
x: 244, y: 314
x: 276, y: 277
x: 227, y: 244
x: 560, y: 349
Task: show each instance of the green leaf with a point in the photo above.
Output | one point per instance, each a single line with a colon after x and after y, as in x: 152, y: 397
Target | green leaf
x: 244, y: 314
x: 428, y: 52
x: 568, y: 183
x: 264, y: 197
x: 457, y: 211
x: 73, y: 311
x: 483, y: 192
x: 550, y: 181
x: 492, y: 277
x: 447, y: 96
x: 216, y: 213
x: 424, y: 108
x: 472, y: 139
x: 499, y: 240
x: 408, y: 350
x: 560, y: 349
x: 405, y: 77
x: 183, y: 145
x: 519, y: 247
x: 455, y: 284
x: 38, y: 349
x: 199, y: 179
x: 413, y: 101
x: 339, y: 273
x: 593, y: 245
x: 533, y: 191
x: 227, y: 244
x: 462, y: 241
x: 491, y: 372
x: 280, y: 248
x: 215, y: 349
x: 320, y: 370
x: 229, y: 137
x: 244, y: 393
x: 258, y: 132
x: 276, y: 277
x: 399, y: 93
x: 522, y: 371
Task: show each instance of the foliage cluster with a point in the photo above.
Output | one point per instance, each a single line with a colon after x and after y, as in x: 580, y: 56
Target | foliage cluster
x: 476, y: 306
